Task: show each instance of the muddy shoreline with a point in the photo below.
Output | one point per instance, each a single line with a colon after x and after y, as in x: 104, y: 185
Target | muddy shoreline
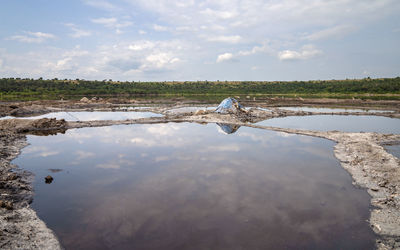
x: 361, y: 154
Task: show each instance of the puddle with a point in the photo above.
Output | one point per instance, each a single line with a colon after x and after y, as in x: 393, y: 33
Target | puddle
x: 88, y: 116
x: 134, y: 108
x: 191, y: 186
x: 333, y: 110
x: 189, y: 109
x: 264, y: 109
x: 393, y: 149
x: 345, y: 123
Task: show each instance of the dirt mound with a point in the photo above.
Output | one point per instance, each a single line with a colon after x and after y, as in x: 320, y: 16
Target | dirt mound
x: 48, y: 123
x: 84, y: 99
x: 25, y: 125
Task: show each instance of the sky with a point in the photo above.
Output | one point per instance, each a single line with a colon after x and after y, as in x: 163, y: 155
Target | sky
x: 156, y: 40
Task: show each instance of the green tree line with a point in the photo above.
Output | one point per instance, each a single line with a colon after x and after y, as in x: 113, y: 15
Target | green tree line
x: 56, y: 87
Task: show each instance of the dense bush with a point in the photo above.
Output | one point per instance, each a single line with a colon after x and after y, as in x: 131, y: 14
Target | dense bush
x: 56, y: 87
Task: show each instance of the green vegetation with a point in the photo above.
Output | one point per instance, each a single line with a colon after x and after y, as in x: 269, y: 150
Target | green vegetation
x: 30, y: 89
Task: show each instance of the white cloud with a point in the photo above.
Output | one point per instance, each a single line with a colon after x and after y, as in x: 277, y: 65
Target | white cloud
x: 75, y: 52
x: 183, y: 28
x: 265, y: 48
x: 255, y: 50
x: 102, y: 4
x: 84, y: 154
x: 108, y: 166
x: 306, y: 52
x: 224, y: 57
x: 49, y: 153
x: 225, y: 39
x: 40, y: 151
x: 219, y: 14
x: 163, y: 129
x: 76, y: 32
x: 141, y: 45
x: 62, y: 63
x: 140, y: 56
x: 283, y: 134
x: 199, y: 32
x: 162, y: 158
x: 67, y: 60
x: 32, y: 37
x: 157, y: 27
x: 336, y: 31
x: 159, y: 60
x: 267, y: 14
x: 108, y: 22
x: 113, y: 23
x: 222, y: 148
x: 213, y: 27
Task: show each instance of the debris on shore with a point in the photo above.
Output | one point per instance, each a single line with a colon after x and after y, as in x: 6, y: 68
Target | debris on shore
x: 48, y: 179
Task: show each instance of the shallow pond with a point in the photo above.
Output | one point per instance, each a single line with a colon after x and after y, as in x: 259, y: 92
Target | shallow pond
x: 87, y: 116
x: 393, y: 149
x: 191, y: 186
x: 333, y: 110
x: 189, y: 109
x: 345, y: 123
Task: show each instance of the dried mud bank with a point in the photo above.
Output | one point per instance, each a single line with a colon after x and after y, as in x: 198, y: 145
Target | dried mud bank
x: 361, y: 154
x: 20, y: 227
x: 30, y: 108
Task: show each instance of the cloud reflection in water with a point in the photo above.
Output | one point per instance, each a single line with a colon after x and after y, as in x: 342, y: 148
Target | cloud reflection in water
x: 169, y: 186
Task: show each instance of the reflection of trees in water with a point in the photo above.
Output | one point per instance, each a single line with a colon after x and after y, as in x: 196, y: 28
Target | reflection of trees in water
x: 228, y: 128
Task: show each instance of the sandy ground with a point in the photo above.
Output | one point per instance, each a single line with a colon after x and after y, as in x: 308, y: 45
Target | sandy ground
x: 361, y: 154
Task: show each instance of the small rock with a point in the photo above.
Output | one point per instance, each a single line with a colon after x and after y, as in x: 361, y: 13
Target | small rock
x: 48, y: 179
x: 383, y: 183
x: 84, y: 99
x: 9, y: 205
x: 6, y: 204
x: 199, y: 112
x: 12, y: 176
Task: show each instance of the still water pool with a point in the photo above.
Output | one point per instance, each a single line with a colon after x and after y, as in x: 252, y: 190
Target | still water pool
x: 345, y: 123
x: 394, y: 150
x: 191, y: 186
x: 334, y: 110
x: 88, y: 116
x: 190, y: 109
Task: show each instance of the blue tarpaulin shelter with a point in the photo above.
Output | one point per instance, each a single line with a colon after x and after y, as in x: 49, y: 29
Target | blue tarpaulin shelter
x: 229, y: 105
